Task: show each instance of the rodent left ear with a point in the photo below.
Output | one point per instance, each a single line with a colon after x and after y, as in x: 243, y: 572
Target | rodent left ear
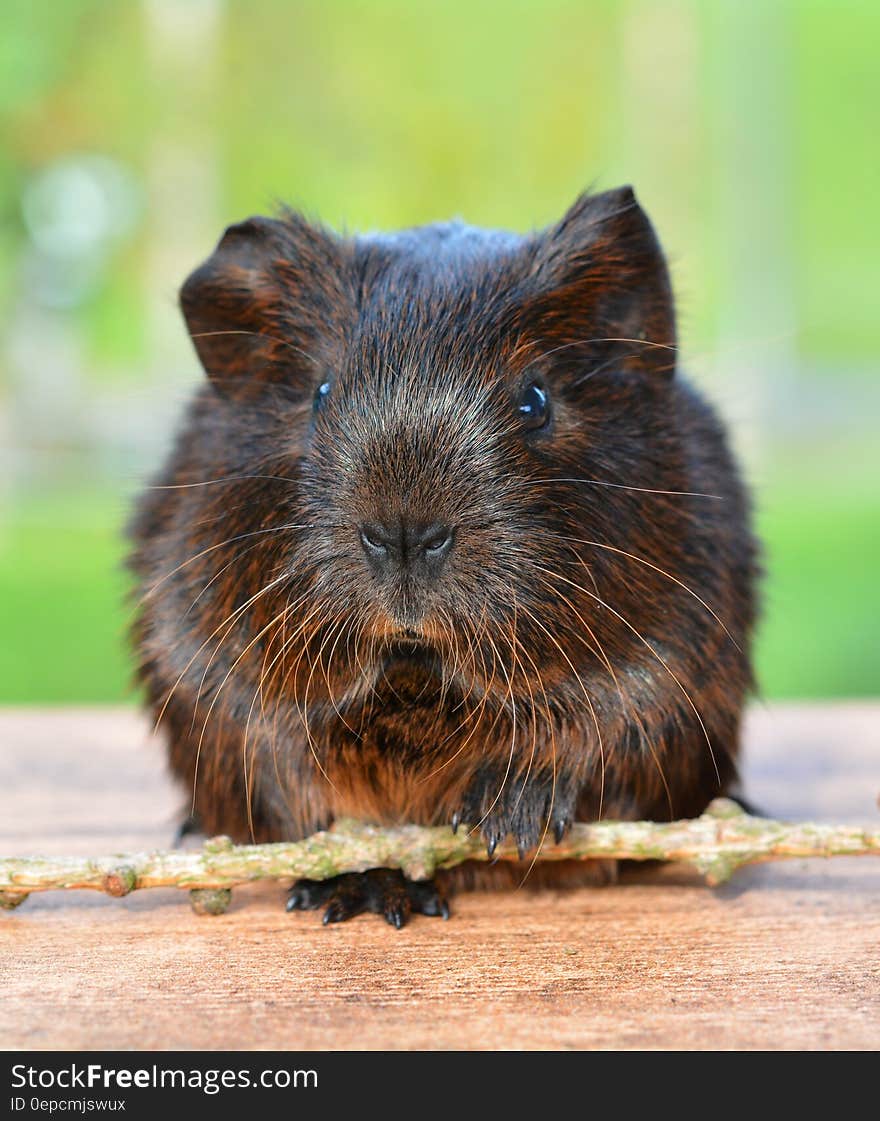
x: 603, y: 284
x: 257, y: 309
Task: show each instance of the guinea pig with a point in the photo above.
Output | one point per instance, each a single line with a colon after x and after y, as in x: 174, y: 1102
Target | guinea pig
x: 445, y: 537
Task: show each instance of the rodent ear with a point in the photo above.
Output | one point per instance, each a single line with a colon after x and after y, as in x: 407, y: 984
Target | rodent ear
x: 603, y: 284
x: 254, y: 308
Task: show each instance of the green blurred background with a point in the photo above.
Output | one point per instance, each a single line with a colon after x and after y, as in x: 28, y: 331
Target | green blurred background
x: 132, y: 132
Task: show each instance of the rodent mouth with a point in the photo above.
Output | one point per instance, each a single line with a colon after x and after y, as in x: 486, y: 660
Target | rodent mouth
x: 406, y: 645
x: 409, y: 650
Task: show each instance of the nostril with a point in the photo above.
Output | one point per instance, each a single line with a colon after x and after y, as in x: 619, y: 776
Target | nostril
x: 374, y: 539
x: 405, y: 544
x: 437, y: 541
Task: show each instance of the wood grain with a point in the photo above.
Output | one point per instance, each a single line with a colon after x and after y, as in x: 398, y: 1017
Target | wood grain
x: 785, y: 956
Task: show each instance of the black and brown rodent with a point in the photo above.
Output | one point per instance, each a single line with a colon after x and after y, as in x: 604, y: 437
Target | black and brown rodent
x: 444, y: 537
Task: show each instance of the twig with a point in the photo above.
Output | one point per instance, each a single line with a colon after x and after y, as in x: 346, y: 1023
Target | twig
x: 716, y: 844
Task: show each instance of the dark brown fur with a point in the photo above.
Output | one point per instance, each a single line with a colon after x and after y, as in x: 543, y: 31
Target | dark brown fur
x: 584, y: 650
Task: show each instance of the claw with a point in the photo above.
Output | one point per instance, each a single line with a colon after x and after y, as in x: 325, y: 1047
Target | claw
x: 334, y: 913
x: 304, y: 895
x: 559, y: 830
x: 456, y: 821
x: 396, y: 917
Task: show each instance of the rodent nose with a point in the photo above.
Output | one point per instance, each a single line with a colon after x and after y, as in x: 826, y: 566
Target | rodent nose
x: 400, y: 544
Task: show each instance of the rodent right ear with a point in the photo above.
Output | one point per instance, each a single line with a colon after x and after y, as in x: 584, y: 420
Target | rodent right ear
x: 256, y: 310
x: 602, y: 281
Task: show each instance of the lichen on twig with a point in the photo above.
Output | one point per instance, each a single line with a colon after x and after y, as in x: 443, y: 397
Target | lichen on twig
x: 719, y: 842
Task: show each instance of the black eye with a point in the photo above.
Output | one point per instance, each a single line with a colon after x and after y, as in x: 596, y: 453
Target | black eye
x: 534, y: 406
x: 321, y: 395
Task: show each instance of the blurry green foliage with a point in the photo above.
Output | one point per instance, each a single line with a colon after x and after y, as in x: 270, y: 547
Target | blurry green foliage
x: 381, y: 113
x: 388, y: 112
x: 63, y: 605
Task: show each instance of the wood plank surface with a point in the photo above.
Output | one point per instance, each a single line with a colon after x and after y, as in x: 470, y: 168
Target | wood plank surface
x: 785, y: 956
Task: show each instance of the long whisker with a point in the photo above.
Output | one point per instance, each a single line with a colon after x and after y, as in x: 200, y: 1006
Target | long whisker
x: 510, y: 698
x: 656, y: 568
x: 210, y: 549
x: 259, y: 693
x: 216, y: 696
x: 217, y: 575
x: 662, y: 662
x: 265, y: 671
x: 230, y: 619
x: 647, y: 343
x: 553, y: 780
x: 515, y: 647
x: 623, y: 486
x: 477, y: 715
x: 625, y: 701
x: 589, y: 700
x: 346, y: 627
x: 217, y: 482
x: 458, y: 670
x: 304, y: 709
x: 278, y: 696
x: 259, y: 335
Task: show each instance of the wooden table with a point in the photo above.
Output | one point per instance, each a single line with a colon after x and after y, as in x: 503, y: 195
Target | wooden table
x: 785, y: 956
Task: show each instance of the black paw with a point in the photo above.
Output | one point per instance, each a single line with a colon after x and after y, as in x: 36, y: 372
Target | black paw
x: 526, y: 810
x: 384, y: 891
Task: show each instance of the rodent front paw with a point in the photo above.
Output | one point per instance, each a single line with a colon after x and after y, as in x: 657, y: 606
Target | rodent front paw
x: 527, y: 810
